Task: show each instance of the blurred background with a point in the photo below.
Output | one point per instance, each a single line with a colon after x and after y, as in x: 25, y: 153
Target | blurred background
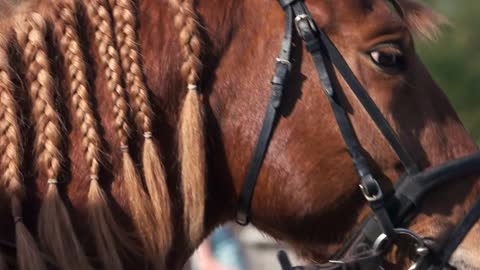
x: 454, y: 60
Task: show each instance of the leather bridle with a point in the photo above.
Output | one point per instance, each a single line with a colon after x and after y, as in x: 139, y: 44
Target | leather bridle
x: 390, y: 215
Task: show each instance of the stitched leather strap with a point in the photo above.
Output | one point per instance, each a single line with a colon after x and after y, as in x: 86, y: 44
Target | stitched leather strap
x: 279, y: 81
x: 286, y: 3
x: 457, y: 236
x: 367, y: 102
x: 369, y: 185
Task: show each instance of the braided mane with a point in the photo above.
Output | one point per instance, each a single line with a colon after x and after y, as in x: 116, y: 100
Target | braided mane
x: 45, y: 29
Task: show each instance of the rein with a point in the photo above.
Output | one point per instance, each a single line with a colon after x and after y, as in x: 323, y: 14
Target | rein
x: 390, y: 215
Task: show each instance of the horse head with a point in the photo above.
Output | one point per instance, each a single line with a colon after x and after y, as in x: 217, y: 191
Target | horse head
x: 307, y: 191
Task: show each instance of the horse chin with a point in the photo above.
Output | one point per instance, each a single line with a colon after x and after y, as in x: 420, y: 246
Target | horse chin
x: 313, y: 254
x: 467, y: 255
x: 464, y: 259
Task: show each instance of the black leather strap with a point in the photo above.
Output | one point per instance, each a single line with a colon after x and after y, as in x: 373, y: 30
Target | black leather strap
x: 367, y: 102
x: 459, y: 233
x: 367, y: 261
x: 359, y: 91
x: 284, y: 260
x: 279, y: 81
x: 413, y: 189
x: 369, y: 185
x: 286, y: 3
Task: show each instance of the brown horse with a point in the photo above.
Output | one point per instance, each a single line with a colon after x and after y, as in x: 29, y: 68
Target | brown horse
x: 98, y: 108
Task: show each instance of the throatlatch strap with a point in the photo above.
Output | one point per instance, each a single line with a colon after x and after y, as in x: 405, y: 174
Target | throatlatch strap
x: 282, y: 69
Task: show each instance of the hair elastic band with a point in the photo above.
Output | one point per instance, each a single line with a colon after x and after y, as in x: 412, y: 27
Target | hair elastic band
x: 148, y: 135
x: 17, y: 219
x: 193, y: 87
x: 52, y: 181
x: 124, y: 148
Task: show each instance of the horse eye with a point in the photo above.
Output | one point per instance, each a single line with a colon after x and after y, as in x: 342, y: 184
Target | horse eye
x: 388, y: 58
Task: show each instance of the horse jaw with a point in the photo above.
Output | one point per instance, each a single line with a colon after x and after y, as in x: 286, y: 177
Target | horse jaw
x: 467, y: 256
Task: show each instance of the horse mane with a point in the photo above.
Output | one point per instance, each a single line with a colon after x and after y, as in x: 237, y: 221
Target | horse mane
x: 10, y: 7
x: 421, y: 20
x: 35, y: 28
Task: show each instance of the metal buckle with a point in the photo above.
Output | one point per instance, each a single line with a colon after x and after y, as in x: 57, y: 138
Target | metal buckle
x: 372, y: 197
x: 421, y: 248
x: 242, y: 218
x: 302, y: 21
x: 338, y: 262
x: 285, y: 62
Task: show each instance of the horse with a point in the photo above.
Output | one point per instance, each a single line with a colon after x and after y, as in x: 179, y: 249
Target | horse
x: 127, y: 128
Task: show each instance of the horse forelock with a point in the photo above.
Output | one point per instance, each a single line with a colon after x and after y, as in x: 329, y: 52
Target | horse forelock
x: 422, y: 20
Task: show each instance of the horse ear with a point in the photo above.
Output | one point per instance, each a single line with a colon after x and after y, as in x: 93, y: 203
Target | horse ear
x: 420, y: 19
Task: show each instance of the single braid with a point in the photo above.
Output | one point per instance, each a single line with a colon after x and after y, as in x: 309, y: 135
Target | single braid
x: 55, y: 228
x: 28, y: 255
x: 124, y: 22
x: 154, y: 172
x: 139, y: 205
x: 191, y: 127
x: 189, y: 36
x: 106, y: 231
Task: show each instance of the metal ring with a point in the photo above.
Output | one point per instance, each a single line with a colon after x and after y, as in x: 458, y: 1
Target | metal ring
x: 400, y: 231
x: 379, y: 242
x: 421, y: 248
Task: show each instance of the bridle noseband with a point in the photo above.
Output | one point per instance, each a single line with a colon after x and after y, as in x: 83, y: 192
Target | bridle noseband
x: 366, y: 249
